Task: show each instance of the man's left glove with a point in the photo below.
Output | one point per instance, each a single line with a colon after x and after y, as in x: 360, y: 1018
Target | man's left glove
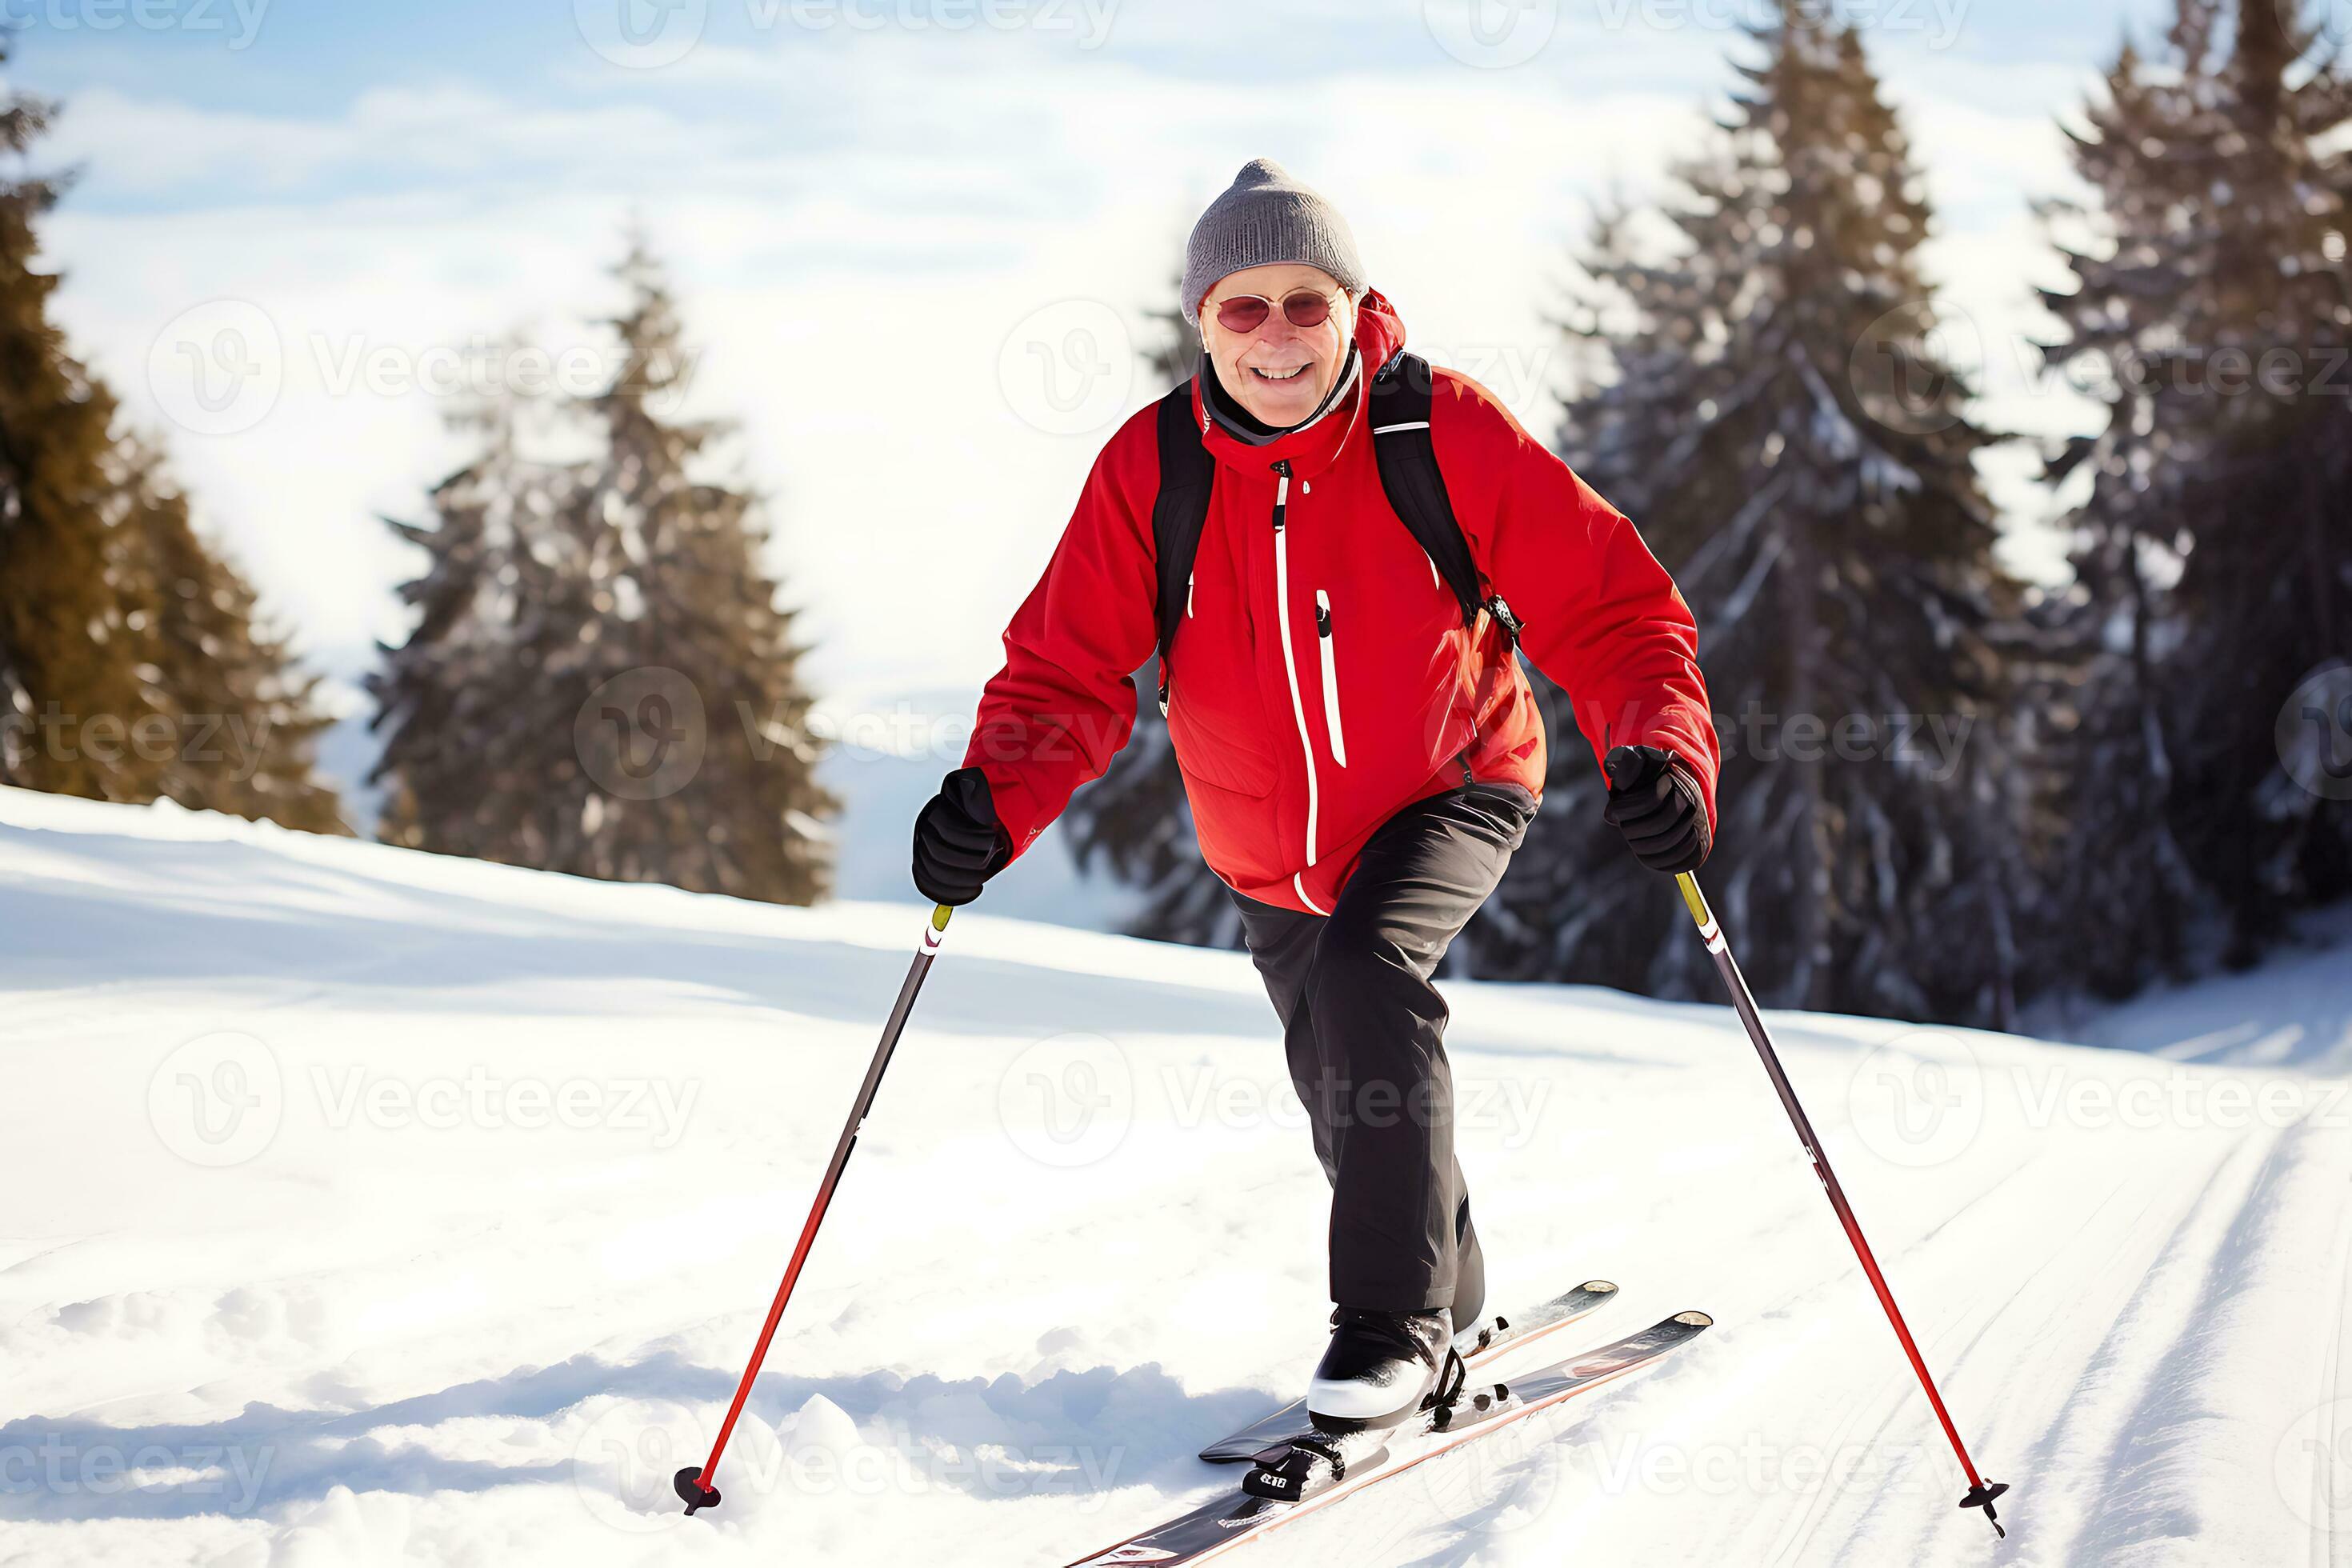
x: 958, y: 844
x: 1655, y: 802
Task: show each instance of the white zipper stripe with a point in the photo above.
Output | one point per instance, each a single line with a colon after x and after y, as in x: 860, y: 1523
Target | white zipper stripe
x: 1324, y: 630
x: 1290, y: 670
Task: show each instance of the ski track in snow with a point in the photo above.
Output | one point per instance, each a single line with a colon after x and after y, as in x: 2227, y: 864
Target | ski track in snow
x: 1080, y: 1239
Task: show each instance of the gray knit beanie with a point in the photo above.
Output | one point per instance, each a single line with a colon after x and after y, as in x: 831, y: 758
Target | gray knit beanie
x: 1265, y: 217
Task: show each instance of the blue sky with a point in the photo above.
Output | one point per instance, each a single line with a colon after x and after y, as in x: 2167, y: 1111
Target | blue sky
x: 877, y: 230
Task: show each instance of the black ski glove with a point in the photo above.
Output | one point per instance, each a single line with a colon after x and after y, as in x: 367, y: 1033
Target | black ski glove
x: 958, y: 844
x: 1655, y: 802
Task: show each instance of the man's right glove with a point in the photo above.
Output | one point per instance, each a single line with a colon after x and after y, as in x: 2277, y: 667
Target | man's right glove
x: 958, y: 844
x: 1655, y: 802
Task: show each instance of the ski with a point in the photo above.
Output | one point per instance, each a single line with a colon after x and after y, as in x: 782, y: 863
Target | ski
x: 1314, y: 1473
x: 1495, y: 1336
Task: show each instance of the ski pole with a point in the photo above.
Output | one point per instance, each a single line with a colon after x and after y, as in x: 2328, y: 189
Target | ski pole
x: 693, y: 1482
x: 1981, y: 1492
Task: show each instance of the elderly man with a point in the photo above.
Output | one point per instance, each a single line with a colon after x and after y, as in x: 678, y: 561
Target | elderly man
x: 1337, y: 551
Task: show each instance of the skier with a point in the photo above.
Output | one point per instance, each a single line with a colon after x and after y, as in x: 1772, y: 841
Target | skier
x: 1360, y: 747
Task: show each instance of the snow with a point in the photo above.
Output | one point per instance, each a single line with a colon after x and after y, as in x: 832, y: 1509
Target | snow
x: 2295, y: 1011
x: 378, y: 1209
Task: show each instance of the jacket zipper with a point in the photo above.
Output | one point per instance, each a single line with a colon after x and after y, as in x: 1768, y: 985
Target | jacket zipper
x: 1290, y: 668
x: 1330, y: 678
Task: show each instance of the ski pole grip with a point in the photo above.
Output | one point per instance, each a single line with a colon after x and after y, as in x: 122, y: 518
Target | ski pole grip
x: 1701, y: 916
x: 1694, y: 901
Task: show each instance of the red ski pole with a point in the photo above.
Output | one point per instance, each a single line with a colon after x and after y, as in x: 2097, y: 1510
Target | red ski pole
x: 693, y: 1482
x: 1981, y: 1492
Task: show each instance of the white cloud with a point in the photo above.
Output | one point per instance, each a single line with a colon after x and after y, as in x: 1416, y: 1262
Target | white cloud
x: 853, y: 237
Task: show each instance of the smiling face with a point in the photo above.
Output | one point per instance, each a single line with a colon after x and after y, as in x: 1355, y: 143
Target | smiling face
x: 1278, y: 371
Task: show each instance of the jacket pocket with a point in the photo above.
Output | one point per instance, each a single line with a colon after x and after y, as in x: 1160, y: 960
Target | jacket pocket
x: 1330, y: 676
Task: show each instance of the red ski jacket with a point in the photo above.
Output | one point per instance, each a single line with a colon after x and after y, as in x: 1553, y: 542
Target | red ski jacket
x: 1322, y: 678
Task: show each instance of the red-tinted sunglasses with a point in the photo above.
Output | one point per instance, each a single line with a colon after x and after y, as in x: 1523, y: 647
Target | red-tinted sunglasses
x: 1247, y: 312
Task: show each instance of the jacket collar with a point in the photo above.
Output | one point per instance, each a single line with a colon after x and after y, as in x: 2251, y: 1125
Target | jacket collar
x: 1317, y: 445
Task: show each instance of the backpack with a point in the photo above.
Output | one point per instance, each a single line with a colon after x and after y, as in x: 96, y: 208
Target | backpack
x: 1407, y: 463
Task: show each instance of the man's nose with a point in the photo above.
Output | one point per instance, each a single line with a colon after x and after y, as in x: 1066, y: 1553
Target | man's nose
x: 1277, y: 333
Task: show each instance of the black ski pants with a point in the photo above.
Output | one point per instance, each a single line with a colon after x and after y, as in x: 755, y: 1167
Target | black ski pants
x: 1365, y: 1032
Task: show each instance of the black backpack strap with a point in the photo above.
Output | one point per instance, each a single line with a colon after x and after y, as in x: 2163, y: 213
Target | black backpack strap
x: 1186, y: 473
x: 1416, y: 490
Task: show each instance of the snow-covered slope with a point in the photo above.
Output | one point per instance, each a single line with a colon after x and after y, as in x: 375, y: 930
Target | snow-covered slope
x: 2295, y: 1011
x: 376, y: 1209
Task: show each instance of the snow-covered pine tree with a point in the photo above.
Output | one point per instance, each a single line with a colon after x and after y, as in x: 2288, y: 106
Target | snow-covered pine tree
x: 1134, y: 819
x: 678, y: 579
x: 2121, y: 879
x: 546, y: 580
x: 2227, y: 298
x: 1780, y: 425
x: 473, y: 760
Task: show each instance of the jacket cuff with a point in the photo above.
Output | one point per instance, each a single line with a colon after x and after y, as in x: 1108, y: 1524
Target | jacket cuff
x: 1686, y: 779
x: 1018, y: 818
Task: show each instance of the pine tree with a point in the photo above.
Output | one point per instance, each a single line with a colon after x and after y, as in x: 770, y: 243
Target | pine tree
x: 67, y: 660
x: 244, y: 719
x: 2213, y: 552
x: 1134, y: 818
x: 1780, y: 426
x: 2265, y: 595
x: 2122, y: 877
x: 600, y: 680
x: 131, y: 665
x: 473, y: 760
x: 689, y: 553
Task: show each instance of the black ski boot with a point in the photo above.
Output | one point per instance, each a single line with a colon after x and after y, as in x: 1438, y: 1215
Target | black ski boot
x: 1380, y: 1368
